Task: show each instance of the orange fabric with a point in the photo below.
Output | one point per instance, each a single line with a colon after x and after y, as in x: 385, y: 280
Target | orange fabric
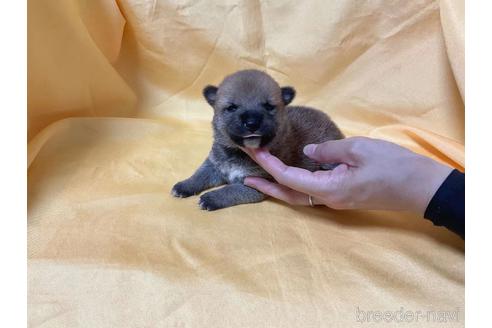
x: 116, y: 117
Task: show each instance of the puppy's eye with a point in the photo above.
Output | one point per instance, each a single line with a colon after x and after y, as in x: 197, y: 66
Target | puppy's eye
x: 231, y: 108
x: 269, y: 107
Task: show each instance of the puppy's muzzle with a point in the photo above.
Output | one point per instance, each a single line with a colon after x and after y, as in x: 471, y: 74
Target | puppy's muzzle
x: 252, y: 121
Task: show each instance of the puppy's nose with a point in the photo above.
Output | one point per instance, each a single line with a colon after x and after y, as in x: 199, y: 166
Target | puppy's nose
x: 252, y: 123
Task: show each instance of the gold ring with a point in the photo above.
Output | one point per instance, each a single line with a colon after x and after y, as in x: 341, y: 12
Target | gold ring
x: 310, y: 198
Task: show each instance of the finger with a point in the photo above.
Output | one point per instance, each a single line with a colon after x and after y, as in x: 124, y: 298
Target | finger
x: 277, y: 191
x: 247, y: 151
x: 293, y: 177
x: 333, y: 151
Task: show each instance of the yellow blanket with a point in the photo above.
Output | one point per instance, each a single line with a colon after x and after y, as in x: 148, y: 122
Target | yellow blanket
x: 116, y: 117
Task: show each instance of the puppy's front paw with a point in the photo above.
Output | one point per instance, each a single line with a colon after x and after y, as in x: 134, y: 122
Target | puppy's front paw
x: 209, y: 202
x: 182, y: 190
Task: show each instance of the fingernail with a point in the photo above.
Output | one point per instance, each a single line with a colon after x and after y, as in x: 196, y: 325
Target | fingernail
x: 249, y: 181
x: 309, y: 149
x: 262, y: 154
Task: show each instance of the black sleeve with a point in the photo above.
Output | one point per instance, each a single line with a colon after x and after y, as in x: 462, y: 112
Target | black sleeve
x: 447, y: 207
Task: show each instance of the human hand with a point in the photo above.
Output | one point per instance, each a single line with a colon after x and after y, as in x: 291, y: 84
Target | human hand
x: 372, y: 174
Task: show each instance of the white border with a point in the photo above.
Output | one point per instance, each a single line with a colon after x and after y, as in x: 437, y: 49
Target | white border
x: 13, y: 253
x: 478, y: 162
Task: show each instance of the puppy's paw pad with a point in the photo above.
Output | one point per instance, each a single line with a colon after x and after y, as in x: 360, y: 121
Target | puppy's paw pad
x: 181, y: 191
x: 208, y: 203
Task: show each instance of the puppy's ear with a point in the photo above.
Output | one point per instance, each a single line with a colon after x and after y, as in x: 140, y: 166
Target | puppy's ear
x: 210, y: 94
x: 288, y: 94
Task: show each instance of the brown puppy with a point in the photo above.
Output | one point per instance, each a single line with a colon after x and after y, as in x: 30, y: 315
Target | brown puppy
x: 250, y: 110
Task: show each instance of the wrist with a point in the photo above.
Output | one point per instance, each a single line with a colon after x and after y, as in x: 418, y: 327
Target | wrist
x: 426, y: 180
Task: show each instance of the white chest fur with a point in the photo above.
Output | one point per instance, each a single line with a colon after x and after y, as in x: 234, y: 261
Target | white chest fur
x: 234, y: 170
x: 236, y: 173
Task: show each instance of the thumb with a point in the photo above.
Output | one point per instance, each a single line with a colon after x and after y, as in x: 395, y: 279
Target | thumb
x: 333, y: 151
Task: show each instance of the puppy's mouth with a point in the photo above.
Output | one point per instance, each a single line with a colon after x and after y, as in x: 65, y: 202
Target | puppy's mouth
x: 252, y: 140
